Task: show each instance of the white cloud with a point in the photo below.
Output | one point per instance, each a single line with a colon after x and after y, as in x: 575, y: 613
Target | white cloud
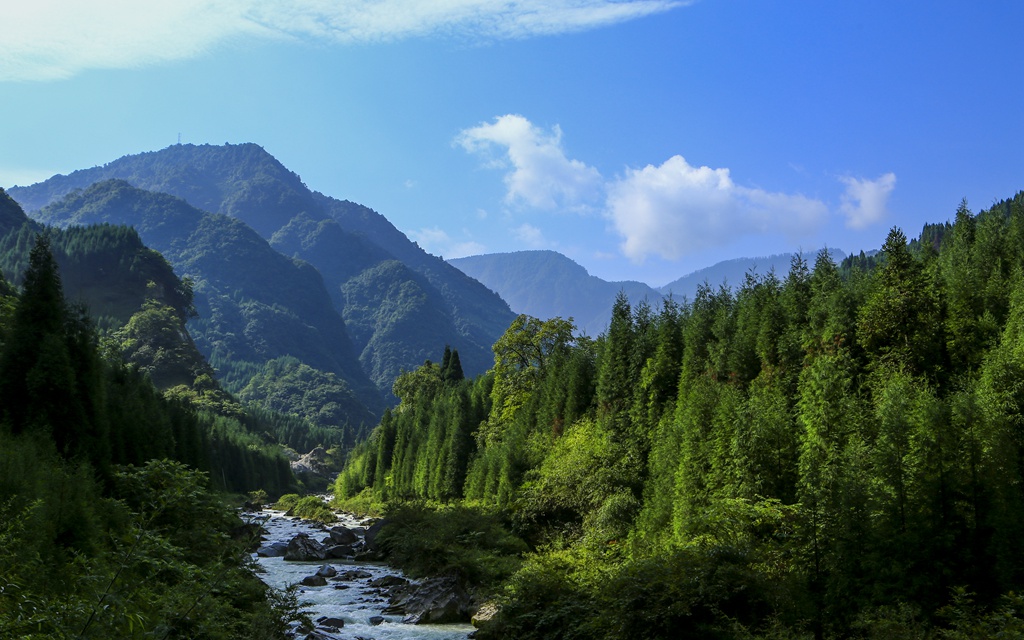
x: 676, y: 209
x: 530, y: 235
x: 672, y: 210
x: 52, y: 39
x: 540, y: 175
x: 863, y: 202
x: 437, y: 241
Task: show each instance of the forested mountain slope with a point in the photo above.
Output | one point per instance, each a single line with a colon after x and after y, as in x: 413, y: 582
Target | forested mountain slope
x: 253, y: 304
x: 806, y: 455
x: 545, y: 284
x: 352, y: 247
x: 103, y: 479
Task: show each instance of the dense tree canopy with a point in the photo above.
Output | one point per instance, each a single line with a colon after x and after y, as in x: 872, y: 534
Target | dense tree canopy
x: 832, y: 453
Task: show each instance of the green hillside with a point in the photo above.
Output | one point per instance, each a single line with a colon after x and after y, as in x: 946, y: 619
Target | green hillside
x: 808, y: 455
x: 345, y: 242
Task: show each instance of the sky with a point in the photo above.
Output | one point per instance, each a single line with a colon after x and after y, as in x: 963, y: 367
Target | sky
x: 644, y: 139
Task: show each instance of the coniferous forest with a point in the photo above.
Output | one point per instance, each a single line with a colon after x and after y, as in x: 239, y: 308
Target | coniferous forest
x: 112, y: 521
x: 836, y: 451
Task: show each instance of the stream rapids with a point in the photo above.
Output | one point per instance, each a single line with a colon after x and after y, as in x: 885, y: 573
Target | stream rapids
x: 354, y: 601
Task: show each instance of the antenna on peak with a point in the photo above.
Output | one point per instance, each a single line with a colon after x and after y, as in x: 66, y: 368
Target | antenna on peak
x: 179, y: 138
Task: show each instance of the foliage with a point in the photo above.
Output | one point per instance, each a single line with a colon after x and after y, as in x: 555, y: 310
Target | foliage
x: 470, y: 542
x: 835, y: 453
x: 313, y: 508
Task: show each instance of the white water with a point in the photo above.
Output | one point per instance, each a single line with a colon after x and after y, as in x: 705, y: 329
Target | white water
x: 355, y: 604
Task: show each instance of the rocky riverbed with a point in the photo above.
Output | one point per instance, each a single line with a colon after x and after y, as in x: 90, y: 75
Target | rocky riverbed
x: 353, y: 599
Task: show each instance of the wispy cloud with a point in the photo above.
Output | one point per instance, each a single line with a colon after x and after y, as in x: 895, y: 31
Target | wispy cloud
x: 437, y: 241
x: 539, y: 173
x: 53, y: 39
x: 531, y: 236
x: 864, y: 201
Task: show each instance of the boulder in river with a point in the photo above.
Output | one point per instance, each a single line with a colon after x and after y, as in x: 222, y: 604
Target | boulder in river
x: 313, y: 581
x: 343, y: 535
x: 388, y: 581
x: 272, y: 550
x: 302, y: 547
x: 340, y: 551
x: 329, y: 621
x: 353, y: 574
x: 370, y: 537
x: 433, y: 601
x: 327, y: 571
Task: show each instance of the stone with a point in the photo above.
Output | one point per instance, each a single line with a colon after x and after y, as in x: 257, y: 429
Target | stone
x: 354, y: 574
x: 314, y: 581
x: 272, y: 550
x: 376, y: 620
x: 370, y: 537
x: 433, y: 601
x: 339, y: 551
x: 343, y: 535
x: 328, y: 621
x: 388, y: 581
x: 484, y: 614
x: 327, y: 571
x: 302, y: 547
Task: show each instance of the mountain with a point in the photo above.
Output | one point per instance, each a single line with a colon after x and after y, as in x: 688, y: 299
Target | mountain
x: 732, y: 272
x: 546, y: 284
x: 400, y: 305
x: 253, y: 304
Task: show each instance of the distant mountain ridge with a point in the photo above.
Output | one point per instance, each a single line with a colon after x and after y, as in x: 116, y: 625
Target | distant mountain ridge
x: 399, y: 305
x: 732, y: 272
x: 546, y: 283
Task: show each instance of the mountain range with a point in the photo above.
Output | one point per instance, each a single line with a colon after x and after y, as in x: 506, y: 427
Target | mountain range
x: 291, y: 281
x: 546, y: 284
x: 280, y: 270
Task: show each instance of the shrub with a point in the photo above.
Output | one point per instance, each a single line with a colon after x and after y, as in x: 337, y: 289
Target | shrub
x: 313, y: 508
x: 287, y: 501
x: 470, y: 542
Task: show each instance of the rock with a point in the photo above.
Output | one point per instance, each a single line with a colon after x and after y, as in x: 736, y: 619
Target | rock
x: 272, y: 550
x: 327, y: 621
x: 313, y: 581
x: 355, y: 574
x: 376, y: 620
x: 433, y: 601
x: 339, y: 551
x: 343, y: 535
x: 388, y: 581
x: 370, y: 537
x: 301, y: 547
x: 327, y: 571
x: 484, y: 614
x: 313, y: 463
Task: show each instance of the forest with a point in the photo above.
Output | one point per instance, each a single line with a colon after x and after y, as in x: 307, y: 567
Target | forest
x: 832, y: 452
x: 113, y: 517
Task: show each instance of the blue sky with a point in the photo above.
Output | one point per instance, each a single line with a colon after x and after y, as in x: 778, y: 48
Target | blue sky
x: 643, y: 139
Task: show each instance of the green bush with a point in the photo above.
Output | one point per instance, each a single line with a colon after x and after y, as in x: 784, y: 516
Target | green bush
x: 313, y: 508
x: 286, y: 502
x: 470, y: 542
x: 364, y: 503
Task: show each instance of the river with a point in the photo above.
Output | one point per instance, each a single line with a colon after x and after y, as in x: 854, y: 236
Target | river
x: 353, y: 601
